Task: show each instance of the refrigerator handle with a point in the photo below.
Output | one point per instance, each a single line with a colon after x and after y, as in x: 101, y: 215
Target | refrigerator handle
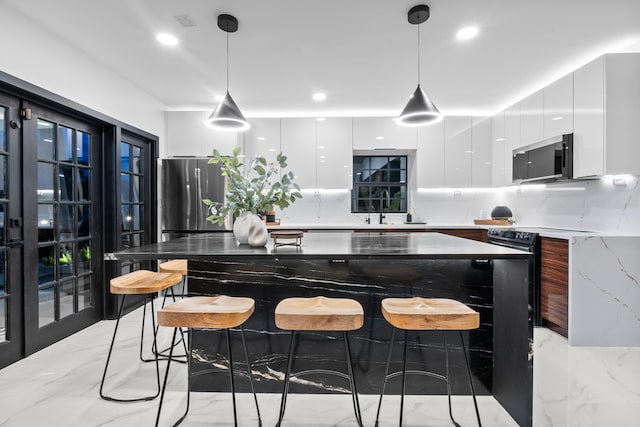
x: 199, y: 196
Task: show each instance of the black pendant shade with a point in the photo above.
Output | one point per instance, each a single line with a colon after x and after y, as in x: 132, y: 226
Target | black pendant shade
x: 419, y: 111
x: 227, y: 116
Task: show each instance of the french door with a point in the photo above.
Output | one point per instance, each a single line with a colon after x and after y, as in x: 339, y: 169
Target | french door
x: 61, y: 189
x: 11, y: 282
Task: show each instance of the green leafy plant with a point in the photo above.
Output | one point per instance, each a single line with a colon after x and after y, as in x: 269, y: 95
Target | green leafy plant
x: 47, y: 260
x: 252, y: 190
x: 85, y: 253
x: 66, y: 258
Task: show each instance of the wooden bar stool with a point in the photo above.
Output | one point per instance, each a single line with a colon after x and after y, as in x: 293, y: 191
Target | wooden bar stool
x: 220, y: 312
x: 428, y: 314
x: 320, y: 314
x: 176, y: 266
x: 139, y: 282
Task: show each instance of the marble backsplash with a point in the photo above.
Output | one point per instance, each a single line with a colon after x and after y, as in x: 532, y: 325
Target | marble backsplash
x: 594, y: 205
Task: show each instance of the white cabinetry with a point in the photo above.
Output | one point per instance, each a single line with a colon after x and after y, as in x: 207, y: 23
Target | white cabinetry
x: 299, y: 145
x: 497, y: 150
x: 382, y: 133
x: 607, y: 116
x: 511, y: 139
x: 430, y: 156
x: 558, y: 107
x: 262, y: 140
x: 481, y: 152
x: 531, y: 118
x: 457, y: 152
x: 189, y: 135
x: 334, y: 153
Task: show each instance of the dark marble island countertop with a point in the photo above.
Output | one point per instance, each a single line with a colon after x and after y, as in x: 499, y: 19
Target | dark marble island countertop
x: 352, y: 245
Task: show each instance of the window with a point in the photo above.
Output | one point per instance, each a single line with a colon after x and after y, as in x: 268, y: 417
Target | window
x: 379, y: 184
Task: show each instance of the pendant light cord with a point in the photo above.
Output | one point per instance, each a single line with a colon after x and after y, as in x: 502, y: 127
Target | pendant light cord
x: 418, y: 54
x: 227, y: 61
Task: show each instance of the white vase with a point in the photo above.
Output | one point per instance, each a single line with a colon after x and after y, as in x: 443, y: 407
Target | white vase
x: 241, y: 227
x: 258, y: 234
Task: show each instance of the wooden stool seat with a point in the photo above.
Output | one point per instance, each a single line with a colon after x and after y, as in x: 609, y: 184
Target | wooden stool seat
x: 319, y: 314
x: 143, y: 282
x: 429, y: 314
x: 207, y: 312
x: 174, y: 266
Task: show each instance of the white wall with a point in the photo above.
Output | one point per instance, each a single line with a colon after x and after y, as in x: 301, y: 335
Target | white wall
x: 596, y: 205
x: 37, y: 56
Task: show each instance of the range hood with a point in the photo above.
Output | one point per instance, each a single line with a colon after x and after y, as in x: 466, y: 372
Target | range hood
x: 545, y: 161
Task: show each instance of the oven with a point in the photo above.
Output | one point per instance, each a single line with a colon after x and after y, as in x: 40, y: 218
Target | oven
x: 529, y: 242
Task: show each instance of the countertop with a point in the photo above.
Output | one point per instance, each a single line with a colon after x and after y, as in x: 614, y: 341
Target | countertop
x: 352, y: 245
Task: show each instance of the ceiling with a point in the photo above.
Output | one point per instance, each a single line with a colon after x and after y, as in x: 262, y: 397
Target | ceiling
x: 362, y: 54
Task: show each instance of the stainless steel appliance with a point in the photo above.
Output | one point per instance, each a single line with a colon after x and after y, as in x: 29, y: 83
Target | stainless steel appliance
x: 524, y: 241
x: 548, y: 160
x: 185, y: 182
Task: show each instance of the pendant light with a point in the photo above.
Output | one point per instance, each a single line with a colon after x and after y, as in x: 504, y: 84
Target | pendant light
x: 420, y: 111
x: 227, y: 115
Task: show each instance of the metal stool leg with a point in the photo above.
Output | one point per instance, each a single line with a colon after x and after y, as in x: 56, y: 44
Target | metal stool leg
x: 250, y: 372
x: 233, y: 387
x: 106, y: 367
x: 352, y: 380
x: 166, y: 376
x: 404, y: 376
x: 386, y: 374
x: 473, y: 391
x: 285, y: 388
x: 447, y: 379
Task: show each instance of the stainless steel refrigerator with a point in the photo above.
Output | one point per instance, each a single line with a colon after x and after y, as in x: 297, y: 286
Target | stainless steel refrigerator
x: 185, y: 182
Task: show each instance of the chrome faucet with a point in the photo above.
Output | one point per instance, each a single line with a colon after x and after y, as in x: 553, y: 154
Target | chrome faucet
x: 382, y: 199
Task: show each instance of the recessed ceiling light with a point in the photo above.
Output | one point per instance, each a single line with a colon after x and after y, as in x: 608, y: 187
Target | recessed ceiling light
x: 261, y: 138
x: 499, y: 139
x: 320, y: 119
x: 320, y: 147
x: 272, y: 149
x: 557, y: 118
x: 467, y: 33
x: 319, y: 96
x: 167, y: 39
x: 219, y: 97
x: 379, y: 137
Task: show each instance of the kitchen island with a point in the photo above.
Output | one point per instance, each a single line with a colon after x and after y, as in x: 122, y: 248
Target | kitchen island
x: 367, y: 267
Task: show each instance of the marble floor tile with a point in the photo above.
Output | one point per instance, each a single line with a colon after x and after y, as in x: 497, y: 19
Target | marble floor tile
x: 58, y: 386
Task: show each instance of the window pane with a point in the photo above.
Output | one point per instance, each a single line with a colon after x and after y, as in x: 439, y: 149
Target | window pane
x: 46, y: 308
x: 3, y: 319
x: 66, y: 222
x: 45, y: 181
x: 3, y: 273
x: 65, y: 180
x: 3, y: 177
x: 125, y: 163
x: 66, y: 297
x: 46, y: 222
x: 84, y: 292
x: 84, y: 257
x: 127, y: 219
x: 124, y: 189
x: 66, y: 260
x: 3, y: 129
x: 136, y: 161
x: 136, y: 214
x: 82, y: 147
x: 84, y: 185
x: 46, y: 264
x: 46, y: 140
x: 3, y: 223
x: 135, y: 186
x: 84, y: 220
x: 379, y: 162
x: 65, y: 144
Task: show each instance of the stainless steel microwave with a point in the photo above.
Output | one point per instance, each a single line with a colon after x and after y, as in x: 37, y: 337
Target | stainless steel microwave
x: 544, y: 161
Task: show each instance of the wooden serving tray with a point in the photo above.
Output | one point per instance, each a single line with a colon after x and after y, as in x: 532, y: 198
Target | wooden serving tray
x: 493, y: 221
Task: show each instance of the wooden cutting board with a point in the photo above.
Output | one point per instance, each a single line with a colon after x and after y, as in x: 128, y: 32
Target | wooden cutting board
x: 493, y: 221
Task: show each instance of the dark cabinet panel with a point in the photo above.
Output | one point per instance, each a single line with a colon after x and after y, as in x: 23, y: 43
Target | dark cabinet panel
x: 554, y: 283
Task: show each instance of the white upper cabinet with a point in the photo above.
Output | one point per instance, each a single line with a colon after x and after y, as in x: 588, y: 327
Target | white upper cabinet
x: 262, y: 140
x: 334, y: 153
x: 430, y: 156
x: 511, y: 139
x: 558, y: 107
x: 382, y: 133
x: 189, y: 135
x: 607, y: 116
x: 299, y: 145
x: 481, y: 156
x: 531, y: 118
x: 457, y: 152
x: 497, y: 150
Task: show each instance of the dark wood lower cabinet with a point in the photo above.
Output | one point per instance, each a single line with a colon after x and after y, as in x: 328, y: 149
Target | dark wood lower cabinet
x: 554, y: 283
x: 478, y: 234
